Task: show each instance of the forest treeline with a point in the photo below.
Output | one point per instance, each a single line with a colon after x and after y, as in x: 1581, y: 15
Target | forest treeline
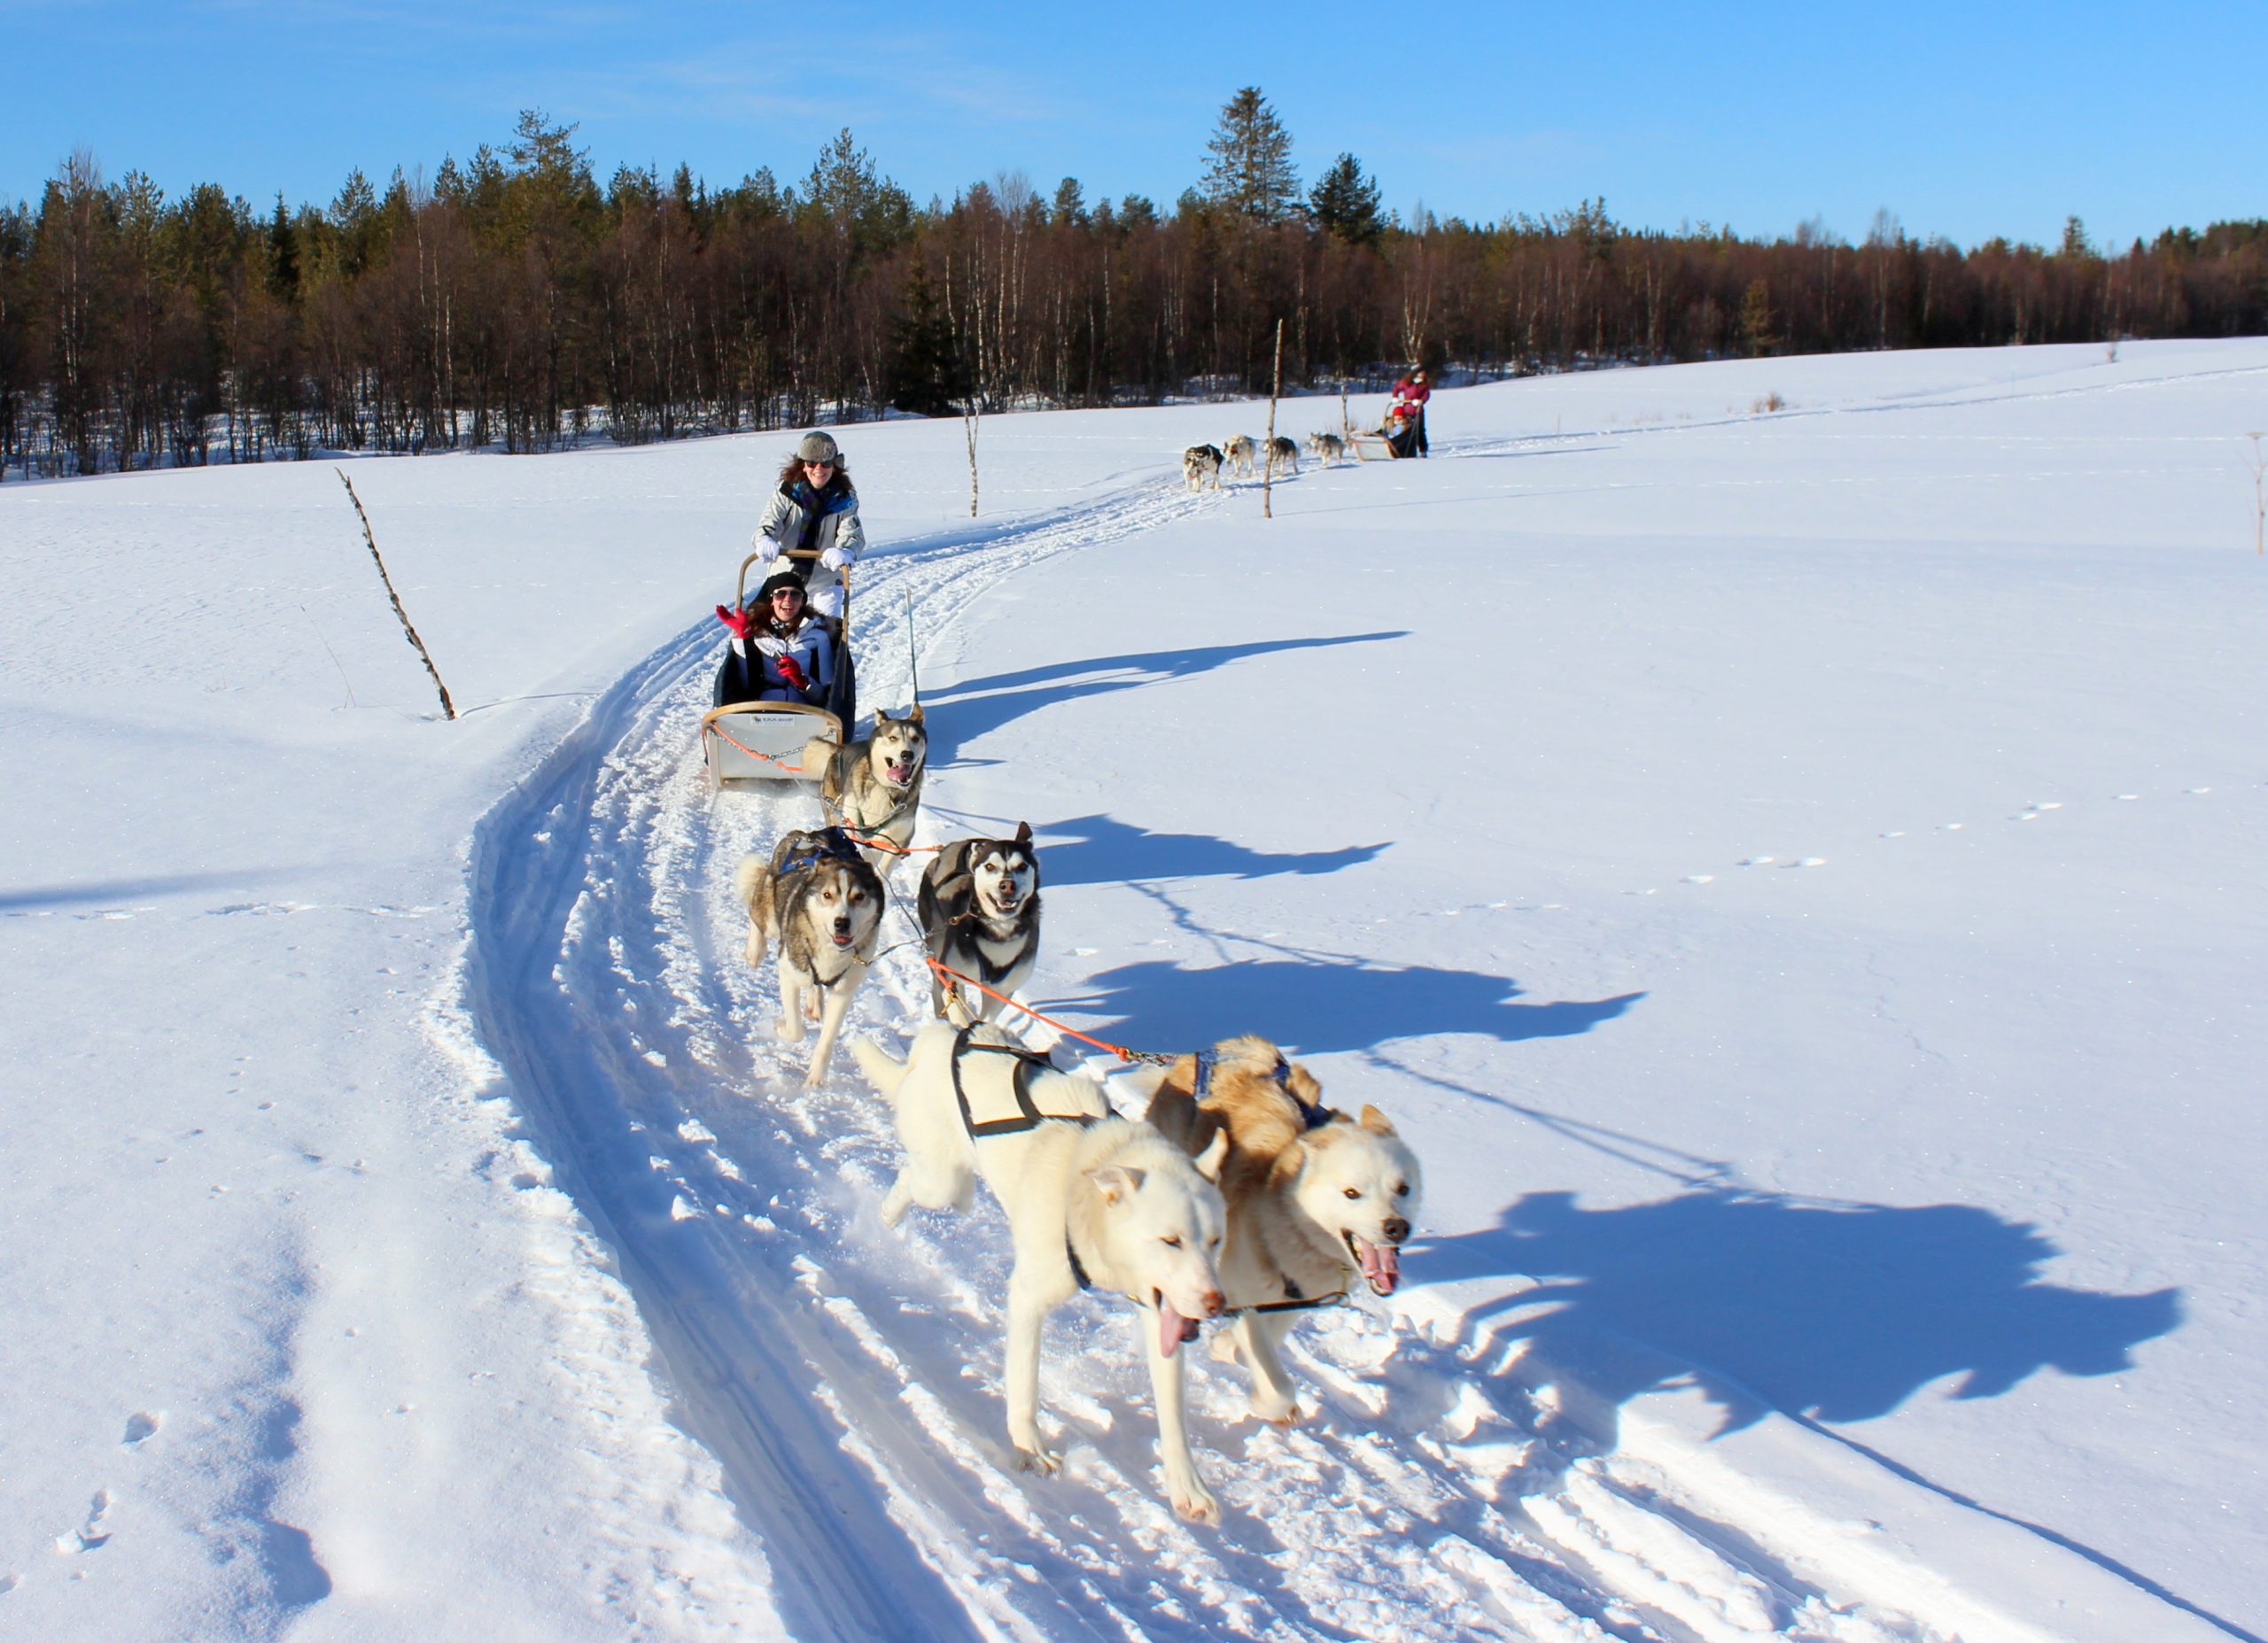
x: 514, y: 301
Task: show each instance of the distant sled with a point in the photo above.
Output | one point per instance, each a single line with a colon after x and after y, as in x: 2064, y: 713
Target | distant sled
x: 1397, y: 438
x: 745, y: 740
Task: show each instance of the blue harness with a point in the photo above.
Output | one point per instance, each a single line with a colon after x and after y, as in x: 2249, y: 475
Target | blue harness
x: 1314, y: 1118
x: 832, y: 844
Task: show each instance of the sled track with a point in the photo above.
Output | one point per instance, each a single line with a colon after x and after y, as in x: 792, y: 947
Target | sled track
x: 848, y: 1378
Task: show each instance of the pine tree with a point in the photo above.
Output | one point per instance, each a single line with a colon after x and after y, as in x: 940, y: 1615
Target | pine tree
x: 1756, y: 319
x: 923, y: 375
x: 1346, y: 204
x: 1250, y: 172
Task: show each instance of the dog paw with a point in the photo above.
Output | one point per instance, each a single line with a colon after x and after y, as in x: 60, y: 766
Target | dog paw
x: 789, y: 1029
x: 1223, y: 1347
x: 1192, y: 1501
x: 1046, y: 1462
x: 1282, y: 1416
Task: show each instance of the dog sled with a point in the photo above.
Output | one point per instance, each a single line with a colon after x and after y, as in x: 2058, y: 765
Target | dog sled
x: 745, y: 740
x: 1391, y: 440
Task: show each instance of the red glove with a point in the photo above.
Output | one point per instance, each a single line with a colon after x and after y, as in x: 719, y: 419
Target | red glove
x: 791, y: 672
x: 740, y: 622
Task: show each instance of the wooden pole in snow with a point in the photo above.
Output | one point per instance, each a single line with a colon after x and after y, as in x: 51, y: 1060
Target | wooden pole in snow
x: 448, y: 708
x: 1267, y: 467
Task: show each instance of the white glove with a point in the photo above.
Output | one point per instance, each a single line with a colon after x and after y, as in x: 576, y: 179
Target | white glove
x: 835, y: 558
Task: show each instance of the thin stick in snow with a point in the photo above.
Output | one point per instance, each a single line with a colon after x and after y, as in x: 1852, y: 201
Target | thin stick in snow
x: 448, y: 708
x: 969, y: 425
x: 1268, y: 468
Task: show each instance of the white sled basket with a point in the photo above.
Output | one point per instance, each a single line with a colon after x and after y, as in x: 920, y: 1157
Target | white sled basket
x: 763, y: 741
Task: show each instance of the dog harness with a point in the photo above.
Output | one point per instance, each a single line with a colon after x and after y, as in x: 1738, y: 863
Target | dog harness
x: 1027, y: 1117
x: 1314, y: 1118
x: 834, y: 844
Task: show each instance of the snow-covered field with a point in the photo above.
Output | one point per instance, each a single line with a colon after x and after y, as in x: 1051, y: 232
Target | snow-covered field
x: 1796, y: 878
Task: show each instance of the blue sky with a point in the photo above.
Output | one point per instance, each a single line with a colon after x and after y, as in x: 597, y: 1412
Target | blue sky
x: 1965, y: 121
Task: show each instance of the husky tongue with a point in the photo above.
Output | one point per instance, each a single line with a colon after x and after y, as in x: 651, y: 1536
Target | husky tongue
x: 900, y: 774
x: 1381, y: 1265
x: 1173, y: 1328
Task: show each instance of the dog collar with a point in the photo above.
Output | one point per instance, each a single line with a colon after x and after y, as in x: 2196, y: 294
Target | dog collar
x: 1077, y: 1270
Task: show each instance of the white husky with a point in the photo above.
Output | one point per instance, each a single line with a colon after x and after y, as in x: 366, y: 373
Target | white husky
x: 1318, y: 1201
x: 1092, y: 1199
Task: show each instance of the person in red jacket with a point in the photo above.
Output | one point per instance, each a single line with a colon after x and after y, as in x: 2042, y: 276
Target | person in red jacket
x: 1409, y: 396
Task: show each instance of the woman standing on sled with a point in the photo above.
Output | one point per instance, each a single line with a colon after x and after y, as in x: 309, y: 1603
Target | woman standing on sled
x: 1409, y: 410
x: 811, y: 523
x: 787, y: 649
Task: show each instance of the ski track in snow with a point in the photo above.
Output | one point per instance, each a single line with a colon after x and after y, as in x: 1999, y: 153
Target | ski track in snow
x: 849, y: 1377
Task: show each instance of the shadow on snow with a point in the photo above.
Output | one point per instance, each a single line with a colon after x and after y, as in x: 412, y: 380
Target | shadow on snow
x: 982, y: 705
x: 1101, y: 849
x: 1319, y: 1009
x: 1833, y: 1312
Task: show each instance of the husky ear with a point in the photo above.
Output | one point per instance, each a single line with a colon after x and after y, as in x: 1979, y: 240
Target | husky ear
x: 1215, y: 1156
x: 1115, y: 1181
x: 1024, y: 833
x: 914, y: 717
x: 1175, y: 1114
x: 1375, y: 1121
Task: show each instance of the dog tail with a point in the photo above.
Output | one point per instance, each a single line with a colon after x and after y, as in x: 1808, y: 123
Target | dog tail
x: 819, y: 755
x: 884, y: 1071
x: 747, y: 876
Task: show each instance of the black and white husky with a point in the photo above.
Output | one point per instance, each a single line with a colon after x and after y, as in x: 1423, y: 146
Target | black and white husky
x: 980, y: 915
x: 1200, y: 466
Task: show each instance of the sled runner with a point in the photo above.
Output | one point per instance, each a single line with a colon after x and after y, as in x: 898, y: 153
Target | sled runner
x: 745, y: 740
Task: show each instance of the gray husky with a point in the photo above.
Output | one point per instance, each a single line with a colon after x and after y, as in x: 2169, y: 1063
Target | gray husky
x: 874, y: 786
x: 820, y: 899
x: 980, y: 915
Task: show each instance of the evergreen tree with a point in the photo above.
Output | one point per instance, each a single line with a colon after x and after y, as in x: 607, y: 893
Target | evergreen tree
x: 1250, y: 172
x: 924, y: 375
x: 1756, y: 319
x: 282, y: 255
x: 1346, y: 204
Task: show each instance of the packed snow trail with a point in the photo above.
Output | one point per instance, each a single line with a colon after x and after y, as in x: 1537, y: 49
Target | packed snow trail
x: 848, y: 1378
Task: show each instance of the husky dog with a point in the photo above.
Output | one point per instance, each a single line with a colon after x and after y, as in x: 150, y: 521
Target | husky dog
x: 874, y: 786
x: 980, y: 915
x: 820, y: 901
x: 1328, y: 448
x: 1239, y: 454
x: 1283, y: 456
x: 1316, y: 1200
x: 1092, y: 1200
x: 1200, y: 466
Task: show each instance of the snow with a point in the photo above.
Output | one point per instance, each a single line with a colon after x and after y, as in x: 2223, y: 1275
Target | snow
x: 1794, y: 876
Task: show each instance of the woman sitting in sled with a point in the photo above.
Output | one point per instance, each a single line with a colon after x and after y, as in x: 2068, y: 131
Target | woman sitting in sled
x: 1405, y: 418
x: 785, y: 650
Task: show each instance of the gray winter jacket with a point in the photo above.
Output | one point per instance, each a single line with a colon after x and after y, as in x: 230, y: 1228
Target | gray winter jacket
x: 790, y: 509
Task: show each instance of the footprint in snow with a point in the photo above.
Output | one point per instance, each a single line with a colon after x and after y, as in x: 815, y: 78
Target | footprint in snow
x: 140, y: 1425
x: 90, y: 1534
